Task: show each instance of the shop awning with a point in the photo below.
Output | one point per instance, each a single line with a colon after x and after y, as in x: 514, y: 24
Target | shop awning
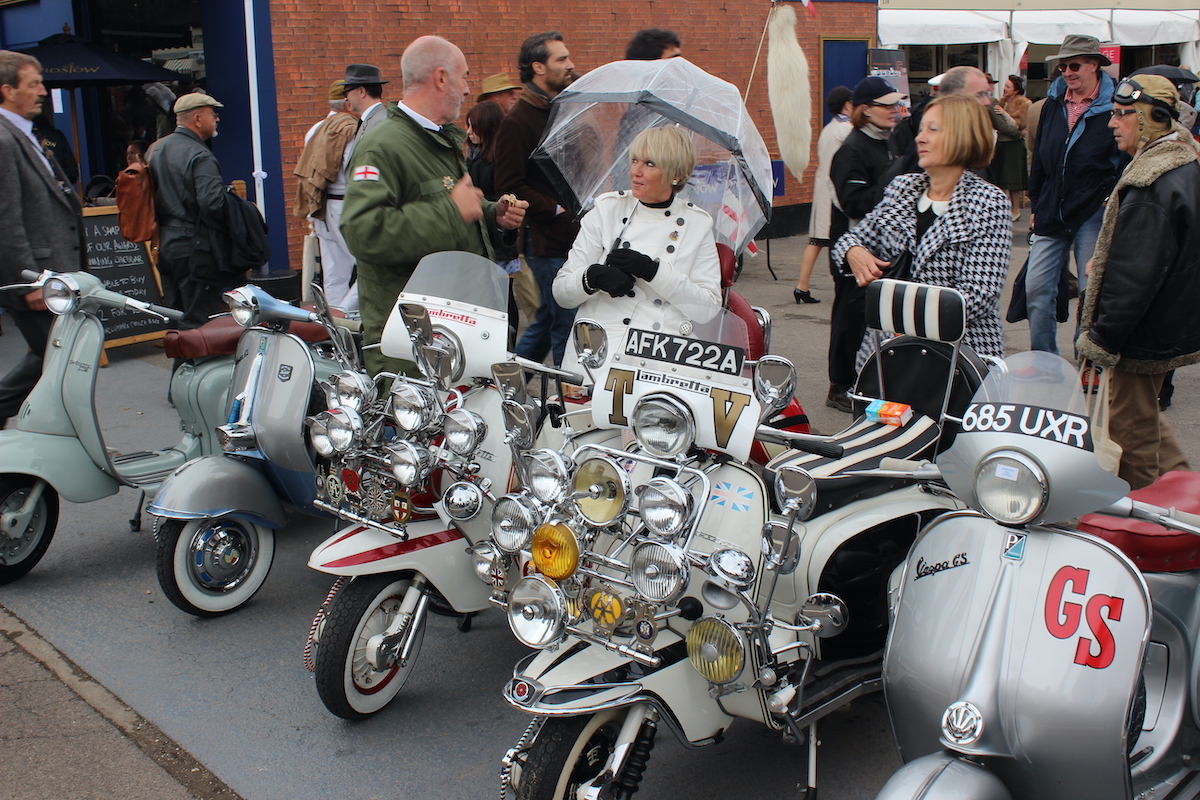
x: 1120, y: 26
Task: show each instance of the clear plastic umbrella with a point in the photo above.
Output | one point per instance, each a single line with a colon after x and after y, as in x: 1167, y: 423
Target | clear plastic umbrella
x: 585, y: 150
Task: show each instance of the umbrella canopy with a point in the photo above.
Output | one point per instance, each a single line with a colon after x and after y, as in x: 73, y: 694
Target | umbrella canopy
x: 68, y: 61
x: 585, y: 149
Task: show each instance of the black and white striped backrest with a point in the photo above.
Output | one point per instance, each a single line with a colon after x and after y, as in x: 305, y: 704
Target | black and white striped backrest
x: 916, y: 309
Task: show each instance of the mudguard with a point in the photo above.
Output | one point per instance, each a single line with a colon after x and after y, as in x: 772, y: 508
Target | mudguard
x: 577, y: 678
x: 61, y: 461
x: 218, y: 485
x: 432, y: 549
x: 942, y: 776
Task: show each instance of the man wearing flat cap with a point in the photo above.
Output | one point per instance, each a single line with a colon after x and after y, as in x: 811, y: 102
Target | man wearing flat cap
x: 364, y: 96
x: 321, y: 190
x: 1074, y: 166
x: 1139, y: 315
x: 501, y: 90
x: 189, y: 203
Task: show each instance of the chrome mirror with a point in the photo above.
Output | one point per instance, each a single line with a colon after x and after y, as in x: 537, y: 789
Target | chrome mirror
x: 591, y: 343
x: 828, y: 612
x: 416, y: 319
x: 797, y: 491
x: 518, y: 422
x: 774, y: 384
x: 510, y: 377
x: 781, y: 546
x: 437, y: 363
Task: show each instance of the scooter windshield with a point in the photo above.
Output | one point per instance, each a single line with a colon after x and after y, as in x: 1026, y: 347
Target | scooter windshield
x: 1028, y: 451
x: 464, y: 278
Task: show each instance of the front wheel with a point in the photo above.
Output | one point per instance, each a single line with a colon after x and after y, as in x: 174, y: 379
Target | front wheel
x: 347, y: 682
x: 210, y: 567
x: 568, y: 752
x: 24, y: 537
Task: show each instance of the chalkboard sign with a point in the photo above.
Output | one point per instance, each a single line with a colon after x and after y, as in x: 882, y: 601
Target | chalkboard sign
x: 125, y: 267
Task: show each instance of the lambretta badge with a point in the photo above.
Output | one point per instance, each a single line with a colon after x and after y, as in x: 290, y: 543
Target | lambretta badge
x: 285, y: 372
x: 927, y: 568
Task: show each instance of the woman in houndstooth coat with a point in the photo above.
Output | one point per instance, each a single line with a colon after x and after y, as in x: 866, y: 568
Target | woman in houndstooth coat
x: 956, y: 226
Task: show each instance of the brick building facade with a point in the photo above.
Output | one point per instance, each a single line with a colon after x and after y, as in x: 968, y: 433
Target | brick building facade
x: 314, y: 40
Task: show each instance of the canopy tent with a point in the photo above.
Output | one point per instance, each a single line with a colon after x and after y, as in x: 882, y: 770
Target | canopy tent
x: 1121, y: 26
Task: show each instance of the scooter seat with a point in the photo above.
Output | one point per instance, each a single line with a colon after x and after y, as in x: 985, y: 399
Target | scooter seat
x: 1152, y: 547
x: 864, y: 445
x: 217, y: 337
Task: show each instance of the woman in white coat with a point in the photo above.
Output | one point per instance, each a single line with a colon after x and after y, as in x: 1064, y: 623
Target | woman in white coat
x: 644, y: 258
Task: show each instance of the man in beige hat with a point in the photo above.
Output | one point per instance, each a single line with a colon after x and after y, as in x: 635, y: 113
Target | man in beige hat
x: 1139, y: 316
x: 1073, y: 169
x: 189, y: 203
x: 321, y: 191
x: 501, y: 90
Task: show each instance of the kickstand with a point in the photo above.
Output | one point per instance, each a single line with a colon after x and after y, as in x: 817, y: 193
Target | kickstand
x: 464, y: 622
x: 810, y: 793
x: 135, y: 524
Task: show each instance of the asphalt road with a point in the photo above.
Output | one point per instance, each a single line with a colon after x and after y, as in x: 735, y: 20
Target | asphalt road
x: 234, y: 692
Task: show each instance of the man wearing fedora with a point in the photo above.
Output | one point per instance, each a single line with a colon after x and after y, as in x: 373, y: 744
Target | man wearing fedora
x: 364, y: 96
x: 189, y: 203
x: 501, y: 90
x: 1074, y: 167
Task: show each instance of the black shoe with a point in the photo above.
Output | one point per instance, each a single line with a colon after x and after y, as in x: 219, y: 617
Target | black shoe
x: 839, y: 399
x: 804, y: 297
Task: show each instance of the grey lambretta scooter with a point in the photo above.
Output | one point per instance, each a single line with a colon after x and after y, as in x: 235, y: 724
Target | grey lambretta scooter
x: 55, y: 447
x: 1027, y: 659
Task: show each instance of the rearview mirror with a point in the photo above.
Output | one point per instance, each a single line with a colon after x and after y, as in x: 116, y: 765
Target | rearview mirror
x: 591, y: 343
x: 774, y: 384
x: 416, y: 319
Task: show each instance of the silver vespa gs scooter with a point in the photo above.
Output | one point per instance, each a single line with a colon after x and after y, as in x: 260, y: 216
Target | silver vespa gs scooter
x: 55, y: 448
x: 1028, y: 659
x: 219, y: 513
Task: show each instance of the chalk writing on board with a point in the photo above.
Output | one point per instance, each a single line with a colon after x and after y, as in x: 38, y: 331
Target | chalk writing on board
x: 124, y: 267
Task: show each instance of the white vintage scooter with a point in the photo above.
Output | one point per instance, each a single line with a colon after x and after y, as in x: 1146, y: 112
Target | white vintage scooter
x: 1029, y: 659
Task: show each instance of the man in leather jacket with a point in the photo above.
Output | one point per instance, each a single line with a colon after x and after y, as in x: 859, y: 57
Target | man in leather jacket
x: 1138, y: 319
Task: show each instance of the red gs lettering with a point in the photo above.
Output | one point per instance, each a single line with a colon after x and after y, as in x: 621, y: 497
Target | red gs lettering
x: 1062, y: 617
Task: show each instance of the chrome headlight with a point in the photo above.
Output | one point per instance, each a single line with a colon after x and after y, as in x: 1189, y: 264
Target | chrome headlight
x: 537, y: 611
x: 716, y: 649
x: 243, y: 306
x: 345, y: 427
x: 61, y: 294
x: 353, y: 390
x: 666, y: 507
x: 555, y: 550
x: 659, y: 572
x: 410, y: 462
x: 513, y: 520
x: 318, y: 434
x: 454, y: 351
x: 485, y: 559
x: 663, y: 425
x: 414, y: 407
x: 1011, y: 488
x: 464, y: 431
x: 547, y: 471
x: 601, y: 491
x: 463, y: 501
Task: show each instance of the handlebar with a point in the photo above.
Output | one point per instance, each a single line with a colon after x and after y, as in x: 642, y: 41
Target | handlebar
x: 30, y: 275
x: 569, y: 377
x: 806, y: 442
x: 1172, y: 518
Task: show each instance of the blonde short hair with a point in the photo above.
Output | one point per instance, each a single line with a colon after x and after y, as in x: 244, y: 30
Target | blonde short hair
x: 968, y: 139
x: 670, y: 147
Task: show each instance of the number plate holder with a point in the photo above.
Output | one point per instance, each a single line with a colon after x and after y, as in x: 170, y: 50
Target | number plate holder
x: 685, y: 352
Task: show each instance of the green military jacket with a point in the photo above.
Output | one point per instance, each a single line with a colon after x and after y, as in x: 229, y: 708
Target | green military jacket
x: 398, y: 210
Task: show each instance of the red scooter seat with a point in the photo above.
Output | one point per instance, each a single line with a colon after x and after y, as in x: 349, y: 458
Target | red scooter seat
x: 1152, y: 547
x: 219, y: 337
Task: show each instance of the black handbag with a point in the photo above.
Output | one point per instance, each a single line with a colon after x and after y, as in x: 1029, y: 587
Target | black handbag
x: 901, y: 267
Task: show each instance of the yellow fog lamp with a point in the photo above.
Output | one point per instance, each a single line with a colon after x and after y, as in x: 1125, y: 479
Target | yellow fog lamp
x: 716, y: 649
x: 601, y: 491
x: 555, y: 550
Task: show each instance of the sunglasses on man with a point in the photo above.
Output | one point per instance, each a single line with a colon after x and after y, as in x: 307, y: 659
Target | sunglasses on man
x: 1074, y: 66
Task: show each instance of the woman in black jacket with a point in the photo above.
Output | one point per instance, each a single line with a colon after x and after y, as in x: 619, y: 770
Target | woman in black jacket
x: 858, y: 174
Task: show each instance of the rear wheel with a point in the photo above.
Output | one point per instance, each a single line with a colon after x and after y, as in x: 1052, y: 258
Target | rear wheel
x: 210, y: 567
x: 568, y: 752
x: 347, y: 683
x: 23, y: 541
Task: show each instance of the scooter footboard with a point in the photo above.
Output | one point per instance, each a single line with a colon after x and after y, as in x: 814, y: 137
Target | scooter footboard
x: 430, y: 548
x: 577, y: 679
x: 215, y: 486
x: 942, y: 776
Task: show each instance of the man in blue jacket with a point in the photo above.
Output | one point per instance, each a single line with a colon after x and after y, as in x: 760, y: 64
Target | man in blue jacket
x: 1075, y: 166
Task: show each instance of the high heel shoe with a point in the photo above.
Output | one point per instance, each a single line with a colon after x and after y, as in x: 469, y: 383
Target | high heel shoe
x: 804, y: 297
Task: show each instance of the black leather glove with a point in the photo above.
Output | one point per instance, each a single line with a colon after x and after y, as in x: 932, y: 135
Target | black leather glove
x: 605, y: 278
x: 639, y: 265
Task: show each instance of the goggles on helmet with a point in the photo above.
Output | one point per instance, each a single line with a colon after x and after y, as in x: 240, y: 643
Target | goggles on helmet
x: 1130, y: 91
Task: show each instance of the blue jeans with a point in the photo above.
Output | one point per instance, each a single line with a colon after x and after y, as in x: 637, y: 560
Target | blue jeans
x: 1048, y: 256
x: 551, y: 325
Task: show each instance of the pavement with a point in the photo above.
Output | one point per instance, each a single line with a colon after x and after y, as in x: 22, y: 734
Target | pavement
x: 64, y: 735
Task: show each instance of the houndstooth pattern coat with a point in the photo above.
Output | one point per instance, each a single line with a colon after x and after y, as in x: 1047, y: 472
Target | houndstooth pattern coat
x: 967, y: 248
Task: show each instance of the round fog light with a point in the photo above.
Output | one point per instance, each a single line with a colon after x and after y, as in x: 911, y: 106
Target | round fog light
x: 716, y: 649
x: 601, y: 491
x: 536, y: 612
x: 555, y: 551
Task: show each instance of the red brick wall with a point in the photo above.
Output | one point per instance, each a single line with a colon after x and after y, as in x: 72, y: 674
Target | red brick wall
x: 315, y: 39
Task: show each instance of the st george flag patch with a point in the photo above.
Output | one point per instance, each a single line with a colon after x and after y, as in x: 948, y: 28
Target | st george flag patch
x: 365, y: 173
